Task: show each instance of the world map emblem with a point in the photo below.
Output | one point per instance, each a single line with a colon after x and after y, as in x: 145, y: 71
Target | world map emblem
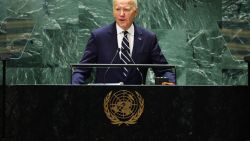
x: 123, y: 107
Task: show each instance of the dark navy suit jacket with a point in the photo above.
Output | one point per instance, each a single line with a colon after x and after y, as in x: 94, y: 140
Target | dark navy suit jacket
x: 102, y: 48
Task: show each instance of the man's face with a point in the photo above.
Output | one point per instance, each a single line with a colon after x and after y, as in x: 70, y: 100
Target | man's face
x: 124, y: 12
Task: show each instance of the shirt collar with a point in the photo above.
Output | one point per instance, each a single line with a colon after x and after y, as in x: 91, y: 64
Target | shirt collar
x: 130, y: 29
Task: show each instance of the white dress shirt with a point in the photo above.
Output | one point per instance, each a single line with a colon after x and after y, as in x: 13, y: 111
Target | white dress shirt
x: 130, y: 35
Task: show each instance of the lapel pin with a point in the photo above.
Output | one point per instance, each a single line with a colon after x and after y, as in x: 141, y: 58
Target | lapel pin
x: 139, y: 38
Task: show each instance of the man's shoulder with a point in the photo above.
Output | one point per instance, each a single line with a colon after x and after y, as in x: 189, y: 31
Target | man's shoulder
x: 103, y: 29
x: 144, y: 31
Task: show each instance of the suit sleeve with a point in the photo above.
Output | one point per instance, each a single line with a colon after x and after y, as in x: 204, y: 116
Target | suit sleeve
x: 158, y: 58
x: 80, y: 75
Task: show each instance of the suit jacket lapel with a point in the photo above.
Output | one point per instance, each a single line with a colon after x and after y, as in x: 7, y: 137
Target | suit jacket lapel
x: 137, y: 42
x: 113, y: 41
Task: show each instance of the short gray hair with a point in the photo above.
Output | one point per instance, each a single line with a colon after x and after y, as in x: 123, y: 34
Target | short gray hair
x: 133, y: 0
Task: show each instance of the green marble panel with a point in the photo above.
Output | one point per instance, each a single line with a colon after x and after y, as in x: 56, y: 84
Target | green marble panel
x: 2, y: 17
x: 203, y: 14
x: 207, y: 47
x: 234, y: 76
x: 236, y: 10
x: 53, y: 45
x: 24, y: 75
x: 2, y: 10
x: 173, y: 44
x: 203, y: 76
x: 187, y: 30
x: 38, y: 75
x: 235, y: 28
x: 168, y: 14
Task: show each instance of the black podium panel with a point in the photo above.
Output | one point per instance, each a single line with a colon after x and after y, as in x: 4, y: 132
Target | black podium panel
x: 178, y: 113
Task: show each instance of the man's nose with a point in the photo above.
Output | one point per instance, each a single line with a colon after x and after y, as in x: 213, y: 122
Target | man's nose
x: 122, y: 13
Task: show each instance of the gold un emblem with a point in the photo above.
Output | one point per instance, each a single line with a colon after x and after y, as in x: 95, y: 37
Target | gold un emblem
x: 123, y: 107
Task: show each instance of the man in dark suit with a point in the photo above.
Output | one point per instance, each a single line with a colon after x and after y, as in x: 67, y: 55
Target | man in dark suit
x: 107, y: 46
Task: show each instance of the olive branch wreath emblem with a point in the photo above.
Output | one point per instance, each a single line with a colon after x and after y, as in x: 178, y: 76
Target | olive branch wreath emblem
x: 114, y: 118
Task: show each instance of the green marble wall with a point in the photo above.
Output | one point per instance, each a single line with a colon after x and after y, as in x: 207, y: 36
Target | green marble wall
x: 205, y: 39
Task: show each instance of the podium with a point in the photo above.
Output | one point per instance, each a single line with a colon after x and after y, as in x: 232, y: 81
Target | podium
x: 77, y: 112
x: 176, y: 113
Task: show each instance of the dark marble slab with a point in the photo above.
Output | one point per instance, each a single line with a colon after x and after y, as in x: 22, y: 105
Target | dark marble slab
x: 1, y: 114
x: 178, y: 113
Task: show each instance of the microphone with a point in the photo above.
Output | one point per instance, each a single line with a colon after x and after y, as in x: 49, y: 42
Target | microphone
x: 104, y: 77
x: 137, y: 69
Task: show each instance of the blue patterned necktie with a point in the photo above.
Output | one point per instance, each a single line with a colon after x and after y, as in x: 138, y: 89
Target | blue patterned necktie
x: 125, y: 54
